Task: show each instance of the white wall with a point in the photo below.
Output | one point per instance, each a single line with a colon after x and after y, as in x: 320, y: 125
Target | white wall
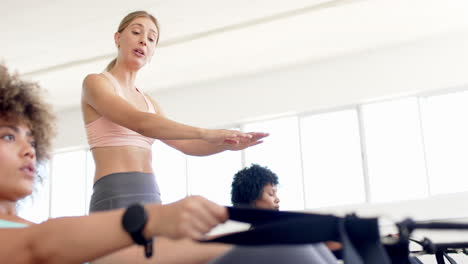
x: 428, y: 65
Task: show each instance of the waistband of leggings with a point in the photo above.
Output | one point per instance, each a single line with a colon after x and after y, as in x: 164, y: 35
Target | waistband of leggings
x: 126, y: 180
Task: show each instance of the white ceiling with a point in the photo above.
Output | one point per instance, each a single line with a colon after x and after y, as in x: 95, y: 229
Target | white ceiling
x: 58, y: 42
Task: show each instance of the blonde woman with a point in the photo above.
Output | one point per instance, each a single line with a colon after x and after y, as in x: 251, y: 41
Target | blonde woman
x: 122, y: 123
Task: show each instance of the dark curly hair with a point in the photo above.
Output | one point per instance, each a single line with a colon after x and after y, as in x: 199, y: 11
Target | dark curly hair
x: 248, y: 184
x: 22, y: 101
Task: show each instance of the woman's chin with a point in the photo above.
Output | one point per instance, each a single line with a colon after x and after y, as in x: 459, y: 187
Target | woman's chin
x: 136, y: 65
x: 26, y: 190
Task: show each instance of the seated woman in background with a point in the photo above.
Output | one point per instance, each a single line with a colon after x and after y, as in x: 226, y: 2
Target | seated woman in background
x: 26, y: 130
x: 255, y: 187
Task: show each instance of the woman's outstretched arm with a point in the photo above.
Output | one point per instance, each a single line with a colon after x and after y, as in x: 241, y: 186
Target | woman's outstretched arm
x: 80, y: 239
x: 99, y: 94
x: 196, y: 147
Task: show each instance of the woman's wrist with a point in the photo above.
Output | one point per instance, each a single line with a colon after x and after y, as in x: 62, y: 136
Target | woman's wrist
x: 203, y: 133
x: 152, y: 227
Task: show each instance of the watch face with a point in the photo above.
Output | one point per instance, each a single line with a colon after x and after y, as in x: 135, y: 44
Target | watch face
x: 134, y: 219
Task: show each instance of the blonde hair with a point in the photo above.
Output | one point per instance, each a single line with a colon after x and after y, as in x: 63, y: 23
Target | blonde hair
x: 126, y: 22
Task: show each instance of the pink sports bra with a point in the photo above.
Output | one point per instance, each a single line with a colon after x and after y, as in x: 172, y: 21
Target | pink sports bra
x: 104, y: 133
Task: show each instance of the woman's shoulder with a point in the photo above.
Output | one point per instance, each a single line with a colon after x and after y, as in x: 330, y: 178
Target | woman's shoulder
x: 94, y: 77
x: 94, y: 80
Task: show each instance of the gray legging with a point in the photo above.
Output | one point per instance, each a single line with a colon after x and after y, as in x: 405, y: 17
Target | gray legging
x: 119, y: 190
x: 297, y: 254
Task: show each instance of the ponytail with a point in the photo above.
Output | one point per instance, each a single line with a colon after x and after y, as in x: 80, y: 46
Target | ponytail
x: 111, y: 64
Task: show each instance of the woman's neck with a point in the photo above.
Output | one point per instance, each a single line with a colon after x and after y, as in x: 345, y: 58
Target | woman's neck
x: 7, y: 208
x: 125, y: 76
x: 8, y: 212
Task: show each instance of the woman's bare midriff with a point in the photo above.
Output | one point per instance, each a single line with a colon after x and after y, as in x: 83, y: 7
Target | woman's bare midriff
x: 121, y: 159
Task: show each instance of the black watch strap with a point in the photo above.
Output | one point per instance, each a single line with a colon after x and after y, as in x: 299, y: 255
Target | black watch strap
x: 138, y: 238
x: 134, y: 221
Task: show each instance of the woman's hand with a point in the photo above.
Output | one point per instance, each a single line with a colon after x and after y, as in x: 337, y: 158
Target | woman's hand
x: 233, y: 139
x: 224, y: 136
x: 244, y: 143
x: 191, y: 217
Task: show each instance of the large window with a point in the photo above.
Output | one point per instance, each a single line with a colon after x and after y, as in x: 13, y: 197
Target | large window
x: 446, y: 130
x: 331, y: 153
x: 395, y: 152
x: 281, y: 153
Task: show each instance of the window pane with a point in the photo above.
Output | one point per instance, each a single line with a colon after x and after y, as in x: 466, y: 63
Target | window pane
x: 281, y: 153
x: 90, y: 171
x: 445, y: 135
x: 170, y: 170
x: 68, y: 197
x: 331, y: 150
x: 395, y: 153
x: 211, y: 176
x: 35, y: 208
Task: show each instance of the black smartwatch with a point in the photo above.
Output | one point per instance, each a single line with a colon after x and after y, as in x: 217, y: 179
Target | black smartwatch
x: 133, y: 221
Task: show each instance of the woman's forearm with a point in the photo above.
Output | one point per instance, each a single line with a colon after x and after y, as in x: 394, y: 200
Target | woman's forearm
x: 159, y: 127
x: 78, y: 239
x: 195, y: 147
